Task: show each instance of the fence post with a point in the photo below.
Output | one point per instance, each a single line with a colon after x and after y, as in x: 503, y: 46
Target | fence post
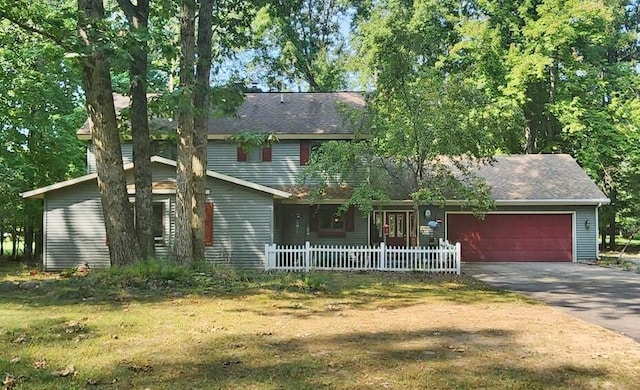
x: 267, y: 257
x: 458, y: 257
x: 307, y: 256
x: 383, y: 256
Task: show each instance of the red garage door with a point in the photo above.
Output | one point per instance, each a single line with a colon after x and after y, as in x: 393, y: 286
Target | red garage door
x: 512, y: 237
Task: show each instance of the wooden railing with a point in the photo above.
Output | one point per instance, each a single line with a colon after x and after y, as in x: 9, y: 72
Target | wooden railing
x: 445, y: 258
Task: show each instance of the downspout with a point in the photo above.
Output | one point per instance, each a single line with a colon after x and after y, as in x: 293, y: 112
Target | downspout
x: 44, y: 234
x: 598, y: 231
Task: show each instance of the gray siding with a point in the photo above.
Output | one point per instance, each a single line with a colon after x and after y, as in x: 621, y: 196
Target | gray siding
x: 586, y: 240
x: 292, y: 233
x: 127, y: 156
x: 74, y: 228
x: 282, y: 170
x: 242, y: 225
x: 75, y: 232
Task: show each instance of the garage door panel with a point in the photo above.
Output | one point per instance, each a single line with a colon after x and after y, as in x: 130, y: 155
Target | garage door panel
x: 513, y: 237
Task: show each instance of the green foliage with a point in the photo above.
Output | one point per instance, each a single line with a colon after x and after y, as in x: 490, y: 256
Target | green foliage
x: 315, y: 282
x: 40, y: 112
x: 249, y: 140
x: 141, y: 272
x: 300, y: 42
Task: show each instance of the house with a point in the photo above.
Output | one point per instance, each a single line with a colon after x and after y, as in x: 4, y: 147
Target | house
x: 547, y: 207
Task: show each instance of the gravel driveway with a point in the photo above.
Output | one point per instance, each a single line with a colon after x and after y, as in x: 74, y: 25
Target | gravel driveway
x: 606, y: 297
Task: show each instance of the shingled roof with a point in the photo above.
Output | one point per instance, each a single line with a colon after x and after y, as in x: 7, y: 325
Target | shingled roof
x: 540, y: 178
x: 290, y: 113
x: 297, y: 114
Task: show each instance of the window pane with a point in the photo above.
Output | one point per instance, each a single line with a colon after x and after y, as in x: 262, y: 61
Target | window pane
x: 254, y: 155
x: 158, y: 220
x: 400, y: 225
x: 329, y: 219
x: 392, y: 225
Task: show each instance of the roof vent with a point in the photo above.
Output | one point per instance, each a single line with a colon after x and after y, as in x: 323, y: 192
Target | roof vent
x: 281, y: 98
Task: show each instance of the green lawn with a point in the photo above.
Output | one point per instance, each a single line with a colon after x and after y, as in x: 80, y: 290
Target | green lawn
x: 159, y: 326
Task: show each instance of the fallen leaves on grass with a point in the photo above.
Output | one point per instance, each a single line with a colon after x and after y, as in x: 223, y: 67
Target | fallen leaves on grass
x: 9, y: 381
x: 70, y: 369
x: 458, y: 348
x: 20, y: 339
x: 137, y: 367
x: 40, y: 364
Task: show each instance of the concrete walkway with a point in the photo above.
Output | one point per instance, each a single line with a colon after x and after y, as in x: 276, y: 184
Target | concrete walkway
x: 605, y: 297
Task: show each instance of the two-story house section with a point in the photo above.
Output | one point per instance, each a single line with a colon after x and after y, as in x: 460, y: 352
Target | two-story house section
x: 546, y: 205
x: 300, y: 121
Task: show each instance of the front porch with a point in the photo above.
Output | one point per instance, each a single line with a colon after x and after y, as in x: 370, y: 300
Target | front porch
x: 445, y: 258
x: 396, y: 225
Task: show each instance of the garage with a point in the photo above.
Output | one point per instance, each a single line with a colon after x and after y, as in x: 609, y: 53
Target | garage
x: 513, y: 237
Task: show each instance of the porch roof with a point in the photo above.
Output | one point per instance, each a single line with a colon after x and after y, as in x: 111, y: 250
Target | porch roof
x: 515, y: 180
x: 39, y: 193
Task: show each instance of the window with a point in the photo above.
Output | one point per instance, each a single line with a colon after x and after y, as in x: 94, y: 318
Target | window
x: 157, y: 220
x: 306, y: 149
x: 254, y: 155
x: 208, y: 224
x: 305, y: 152
x: 325, y: 220
x: 331, y: 221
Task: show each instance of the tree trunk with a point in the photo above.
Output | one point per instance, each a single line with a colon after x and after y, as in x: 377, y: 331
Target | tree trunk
x: 138, y: 17
x: 28, y: 242
x: 39, y: 240
x: 117, y: 211
x: 1, y: 243
x: 184, y: 176
x: 201, y: 116
x: 613, y: 194
x: 14, y: 244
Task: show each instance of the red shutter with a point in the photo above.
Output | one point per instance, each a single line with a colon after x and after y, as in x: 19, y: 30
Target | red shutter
x: 313, y: 218
x: 349, y: 219
x: 305, y: 148
x: 266, y: 154
x: 242, y: 156
x: 208, y: 224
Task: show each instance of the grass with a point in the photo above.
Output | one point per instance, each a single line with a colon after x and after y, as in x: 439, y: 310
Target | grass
x: 159, y: 326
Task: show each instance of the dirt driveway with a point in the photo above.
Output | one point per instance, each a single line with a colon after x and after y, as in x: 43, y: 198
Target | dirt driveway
x: 605, y: 297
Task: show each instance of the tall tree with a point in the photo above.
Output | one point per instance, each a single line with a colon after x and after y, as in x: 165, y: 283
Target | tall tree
x: 118, y: 214
x: 93, y: 45
x: 222, y: 26
x: 185, y: 131
x: 302, y: 42
x: 201, y: 105
x: 424, y: 124
x: 39, y: 114
x: 137, y: 46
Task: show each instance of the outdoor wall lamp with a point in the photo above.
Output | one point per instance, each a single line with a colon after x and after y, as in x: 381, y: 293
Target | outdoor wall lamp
x: 587, y: 224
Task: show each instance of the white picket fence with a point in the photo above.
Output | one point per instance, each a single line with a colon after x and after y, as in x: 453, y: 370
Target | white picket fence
x: 445, y: 258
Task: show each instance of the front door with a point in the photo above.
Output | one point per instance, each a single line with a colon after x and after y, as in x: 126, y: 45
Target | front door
x: 397, y: 222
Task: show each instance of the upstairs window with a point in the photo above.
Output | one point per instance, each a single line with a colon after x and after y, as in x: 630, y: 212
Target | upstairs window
x: 305, y: 152
x: 254, y: 155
